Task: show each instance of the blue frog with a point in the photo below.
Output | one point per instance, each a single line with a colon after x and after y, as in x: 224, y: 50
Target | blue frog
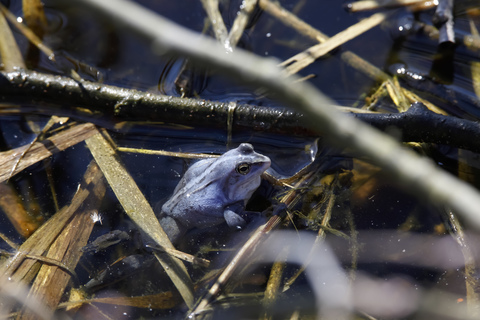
x: 213, y: 191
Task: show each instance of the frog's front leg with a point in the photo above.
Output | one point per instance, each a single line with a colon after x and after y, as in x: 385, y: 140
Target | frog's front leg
x: 172, y: 228
x: 234, y: 219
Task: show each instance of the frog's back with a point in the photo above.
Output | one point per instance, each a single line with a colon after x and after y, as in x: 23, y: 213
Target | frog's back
x: 193, y: 172
x: 193, y: 192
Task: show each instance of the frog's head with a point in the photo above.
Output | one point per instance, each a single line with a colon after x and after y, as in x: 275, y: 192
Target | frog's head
x: 243, y: 168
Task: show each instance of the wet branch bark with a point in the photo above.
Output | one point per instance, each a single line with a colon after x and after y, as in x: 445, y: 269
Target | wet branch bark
x: 106, y: 105
x: 419, y: 124
x: 99, y: 103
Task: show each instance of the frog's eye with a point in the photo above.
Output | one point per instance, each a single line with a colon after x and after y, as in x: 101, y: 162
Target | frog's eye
x: 243, y: 168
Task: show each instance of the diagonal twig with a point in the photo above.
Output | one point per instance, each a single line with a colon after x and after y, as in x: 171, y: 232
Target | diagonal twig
x: 305, y: 58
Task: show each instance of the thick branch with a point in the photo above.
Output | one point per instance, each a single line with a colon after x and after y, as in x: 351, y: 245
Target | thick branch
x: 104, y: 105
x: 419, y: 124
x: 467, y: 106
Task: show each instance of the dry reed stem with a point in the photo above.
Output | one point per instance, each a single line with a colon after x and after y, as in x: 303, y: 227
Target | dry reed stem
x: 457, y: 232
x: 51, y: 280
x: 307, y: 57
x: 272, y: 289
x: 164, y: 300
x: 27, y: 30
x: 364, y: 5
x: 291, y: 20
x: 23, y: 222
x: 216, y: 19
x: 22, y: 268
x: 42, y: 150
x: 185, y: 256
x: 9, y: 51
x: 139, y: 210
x: 184, y: 155
x: 348, y: 57
x: 240, y: 22
x: 34, y: 16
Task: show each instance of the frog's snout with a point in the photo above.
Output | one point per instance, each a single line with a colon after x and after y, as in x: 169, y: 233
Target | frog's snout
x: 266, y: 163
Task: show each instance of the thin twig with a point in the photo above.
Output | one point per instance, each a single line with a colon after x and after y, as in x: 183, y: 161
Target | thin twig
x: 41, y: 150
x: 47, y: 127
x: 7, y: 240
x: 291, y: 20
x: 240, y: 22
x: 216, y: 19
x: 163, y: 300
x: 10, y: 53
x: 457, y: 232
x: 272, y: 289
x: 27, y: 32
x: 378, y: 4
x: 305, y: 58
x: 320, y: 236
x: 184, y: 155
x: 184, y: 256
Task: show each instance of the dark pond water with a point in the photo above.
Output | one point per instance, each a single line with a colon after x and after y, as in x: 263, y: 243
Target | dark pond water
x: 370, y: 214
